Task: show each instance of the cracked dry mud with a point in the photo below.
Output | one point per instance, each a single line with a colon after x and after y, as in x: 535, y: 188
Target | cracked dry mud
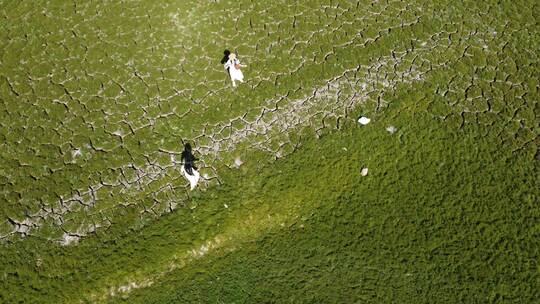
x: 96, y: 100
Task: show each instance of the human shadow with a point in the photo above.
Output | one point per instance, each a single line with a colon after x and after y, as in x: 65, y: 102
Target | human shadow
x: 188, y: 159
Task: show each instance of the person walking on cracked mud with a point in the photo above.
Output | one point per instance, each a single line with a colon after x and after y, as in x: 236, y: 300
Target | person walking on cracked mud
x: 234, y: 67
x: 188, y: 168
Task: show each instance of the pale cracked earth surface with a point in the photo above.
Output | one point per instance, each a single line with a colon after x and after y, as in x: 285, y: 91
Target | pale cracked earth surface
x: 98, y: 97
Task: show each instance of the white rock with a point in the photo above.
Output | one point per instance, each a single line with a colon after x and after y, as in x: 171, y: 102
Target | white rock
x: 364, y: 171
x: 364, y: 120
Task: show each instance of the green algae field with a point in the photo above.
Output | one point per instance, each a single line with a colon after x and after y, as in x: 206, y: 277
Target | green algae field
x: 435, y: 200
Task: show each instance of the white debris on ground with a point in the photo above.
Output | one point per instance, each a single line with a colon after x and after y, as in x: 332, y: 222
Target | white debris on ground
x: 364, y: 171
x: 118, y: 133
x: 76, y: 152
x: 391, y: 129
x: 238, y: 162
x: 364, y: 120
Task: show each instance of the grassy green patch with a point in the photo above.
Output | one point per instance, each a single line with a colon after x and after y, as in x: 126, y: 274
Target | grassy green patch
x: 430, y: 223
x: 97, y: 97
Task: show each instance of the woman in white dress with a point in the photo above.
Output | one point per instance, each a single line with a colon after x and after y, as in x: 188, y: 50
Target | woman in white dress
x: 188, y: 168
x: 233, y: 64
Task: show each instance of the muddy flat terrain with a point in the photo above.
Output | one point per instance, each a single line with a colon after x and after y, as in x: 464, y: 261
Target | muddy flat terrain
x: 434, y: 198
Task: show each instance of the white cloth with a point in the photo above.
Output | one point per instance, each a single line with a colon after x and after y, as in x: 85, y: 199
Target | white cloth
x: 236, y: 74
x: 193, y: 179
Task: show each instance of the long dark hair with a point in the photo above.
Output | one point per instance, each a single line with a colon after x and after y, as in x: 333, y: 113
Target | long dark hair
x: 225, y: 58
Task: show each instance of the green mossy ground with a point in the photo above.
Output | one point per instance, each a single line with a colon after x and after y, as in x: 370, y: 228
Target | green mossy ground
x: 448, y: 213
x: 429, y: 224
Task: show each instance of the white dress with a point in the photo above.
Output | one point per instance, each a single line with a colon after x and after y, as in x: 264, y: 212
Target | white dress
x: 193, y: 179
x: 236, y: 74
